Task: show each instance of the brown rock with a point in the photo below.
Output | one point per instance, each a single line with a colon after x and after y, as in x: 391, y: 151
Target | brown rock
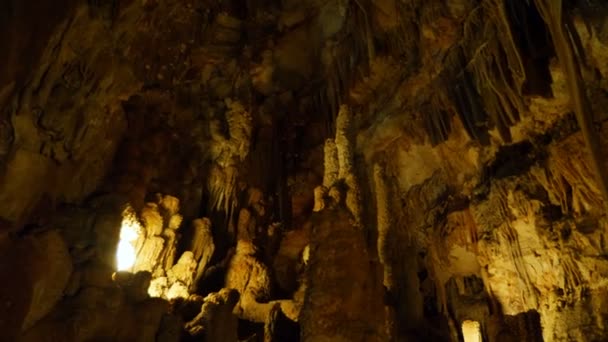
x: 170, y: 204
x: 184, y: 270
x: 152, y: 220
x: 170, y: 329
x: 216, y: 321
x: 175, y: 222
x: 23, y: 184
x: 96, y: 274
x: 149, y: 255
x: 54, y: 267
x: 344, y: 299
x: 202, y: 240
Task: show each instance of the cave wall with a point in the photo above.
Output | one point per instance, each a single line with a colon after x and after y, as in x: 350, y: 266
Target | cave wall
x: 323, y: 171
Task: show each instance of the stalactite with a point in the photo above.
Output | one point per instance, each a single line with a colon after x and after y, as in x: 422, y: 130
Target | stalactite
x: 333, y: 95
x: 568, y: 178
x: 436, y: 121
x: 367, y: 32
x: 551, y: 11
x: 402, y: 41
x: 500, y: 99
x: 497, y: 114
x: 466, y: 99
x: 346, y: 54
x: 430, y: 129
x: 497, y: 72
x: 223, y: 189
x: 228, y: 153
x: 532, y: 38
x: 508, y: 43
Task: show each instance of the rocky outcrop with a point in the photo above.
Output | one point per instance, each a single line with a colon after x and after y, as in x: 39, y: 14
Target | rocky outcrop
x: 36, y: 285
x: 344, y: 297
x: 216, y: 322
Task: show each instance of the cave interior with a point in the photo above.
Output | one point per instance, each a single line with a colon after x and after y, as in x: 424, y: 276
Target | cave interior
x: 303, y: 170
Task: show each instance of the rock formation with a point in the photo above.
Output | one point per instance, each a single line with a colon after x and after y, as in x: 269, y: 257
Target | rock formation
x: 341, y: 170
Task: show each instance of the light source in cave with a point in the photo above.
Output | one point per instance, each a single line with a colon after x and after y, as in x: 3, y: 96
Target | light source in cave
x: 471, y: 331
x: 130, y: 231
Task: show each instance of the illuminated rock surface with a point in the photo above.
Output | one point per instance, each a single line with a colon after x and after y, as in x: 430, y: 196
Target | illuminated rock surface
x: 344, y: 170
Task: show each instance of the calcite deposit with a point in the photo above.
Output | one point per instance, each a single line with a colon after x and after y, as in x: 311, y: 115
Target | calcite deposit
x: 316, y: 171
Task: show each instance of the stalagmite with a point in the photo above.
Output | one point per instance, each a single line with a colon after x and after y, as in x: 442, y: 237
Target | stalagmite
x: 384, y: 223
x: 215, y: 322
x: 319, y: 198
x: 385, y: 228
x: 251, y: 278
x: 202, y: 246
x: 343, y: 301
x: 354, y: 200
x: 341, y: 304
x: 345, y: 156
x: 344, y: 147
x: 331, y: 166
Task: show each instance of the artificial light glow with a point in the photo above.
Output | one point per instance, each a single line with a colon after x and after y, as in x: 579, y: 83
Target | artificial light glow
x: 129, y: 233
x: 125, y: 255
x: 471, y: 332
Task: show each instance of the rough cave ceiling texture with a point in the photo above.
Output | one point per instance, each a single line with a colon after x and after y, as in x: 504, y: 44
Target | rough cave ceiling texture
x: 342, y: 170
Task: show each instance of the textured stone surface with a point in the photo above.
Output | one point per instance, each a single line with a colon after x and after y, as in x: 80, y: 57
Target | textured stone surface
x: 51, y: 252
x: 215, y: 321
x: 460, y: 146
x: 33, y: 291
x: 342, y: 302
